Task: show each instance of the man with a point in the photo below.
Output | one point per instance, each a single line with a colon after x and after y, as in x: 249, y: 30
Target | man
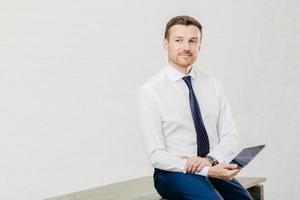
x: 187, y: 124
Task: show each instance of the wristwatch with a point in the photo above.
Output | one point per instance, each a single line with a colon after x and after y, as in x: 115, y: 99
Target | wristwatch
x: 212, y: 160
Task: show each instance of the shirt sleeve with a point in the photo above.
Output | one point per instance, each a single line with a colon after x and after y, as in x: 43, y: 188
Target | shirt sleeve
x: 152, y: 134
x: 226, y: 128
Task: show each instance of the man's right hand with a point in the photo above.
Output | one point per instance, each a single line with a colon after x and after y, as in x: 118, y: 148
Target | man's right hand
x: 223, y: 171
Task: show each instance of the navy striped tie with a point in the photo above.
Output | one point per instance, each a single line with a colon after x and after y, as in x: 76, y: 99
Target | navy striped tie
x: 202, y: 138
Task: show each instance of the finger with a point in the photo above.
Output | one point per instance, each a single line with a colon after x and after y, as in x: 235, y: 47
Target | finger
x: 195, y: 167
x: 235, y: 171
x: 190, y: 167
x: 185, y: 167
x: 232, y: 174
x: 201, y: 166
x: 230, y: 166
x: 184, y: 157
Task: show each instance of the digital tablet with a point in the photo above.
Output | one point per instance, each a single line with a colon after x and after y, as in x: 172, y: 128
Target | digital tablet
x: 246, y: 155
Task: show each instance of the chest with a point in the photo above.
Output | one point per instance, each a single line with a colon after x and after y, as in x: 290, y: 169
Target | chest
x: 174, y: 101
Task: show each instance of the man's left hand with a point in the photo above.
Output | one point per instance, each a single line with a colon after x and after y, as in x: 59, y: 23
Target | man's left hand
x: 194, y: 163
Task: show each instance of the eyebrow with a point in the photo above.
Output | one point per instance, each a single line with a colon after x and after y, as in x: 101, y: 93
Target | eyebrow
x: 193, y: 38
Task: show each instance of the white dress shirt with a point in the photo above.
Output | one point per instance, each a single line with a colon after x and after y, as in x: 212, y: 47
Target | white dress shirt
x: 166, y: 120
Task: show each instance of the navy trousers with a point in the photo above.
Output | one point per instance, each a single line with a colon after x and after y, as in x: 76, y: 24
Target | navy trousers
x: 180, y: 186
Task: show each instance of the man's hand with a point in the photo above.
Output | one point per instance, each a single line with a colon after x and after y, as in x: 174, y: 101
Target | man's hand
x: 194, y: 164
x: 223, y: 171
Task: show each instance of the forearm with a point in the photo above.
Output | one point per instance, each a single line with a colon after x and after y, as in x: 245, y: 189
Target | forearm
x: 164, y: 160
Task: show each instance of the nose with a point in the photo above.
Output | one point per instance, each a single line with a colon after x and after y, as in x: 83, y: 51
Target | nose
x: 186, y: 46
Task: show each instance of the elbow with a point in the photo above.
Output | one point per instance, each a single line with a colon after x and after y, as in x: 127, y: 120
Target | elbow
x: 156, y: 158
x: 153, y: 158
x: 234, y: 144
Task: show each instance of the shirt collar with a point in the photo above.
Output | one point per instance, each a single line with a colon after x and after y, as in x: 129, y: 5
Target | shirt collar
x: 176, y: 75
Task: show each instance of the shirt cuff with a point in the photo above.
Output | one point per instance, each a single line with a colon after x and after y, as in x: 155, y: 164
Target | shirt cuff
x: 204, y: 171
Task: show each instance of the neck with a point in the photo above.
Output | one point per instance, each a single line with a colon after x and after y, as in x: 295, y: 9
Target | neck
x: 183, y: 69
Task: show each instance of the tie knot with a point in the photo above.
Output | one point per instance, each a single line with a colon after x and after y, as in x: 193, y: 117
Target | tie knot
x: 188, y: 82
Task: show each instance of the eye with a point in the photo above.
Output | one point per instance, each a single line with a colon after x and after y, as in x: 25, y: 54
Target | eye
x: 178, y: 40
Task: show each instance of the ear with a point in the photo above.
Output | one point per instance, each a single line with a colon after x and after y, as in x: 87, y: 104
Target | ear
x: 165, y: 44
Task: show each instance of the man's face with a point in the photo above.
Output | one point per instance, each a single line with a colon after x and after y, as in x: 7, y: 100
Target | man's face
x: 183, y: 45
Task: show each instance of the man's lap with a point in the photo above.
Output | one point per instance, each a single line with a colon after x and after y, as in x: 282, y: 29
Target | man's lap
x: 177, y: 185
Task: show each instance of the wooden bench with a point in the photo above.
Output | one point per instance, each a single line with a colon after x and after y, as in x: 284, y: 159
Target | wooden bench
x: 143, y: 189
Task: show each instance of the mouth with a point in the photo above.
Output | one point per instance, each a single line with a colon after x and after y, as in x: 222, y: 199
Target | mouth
x: 185, y: 55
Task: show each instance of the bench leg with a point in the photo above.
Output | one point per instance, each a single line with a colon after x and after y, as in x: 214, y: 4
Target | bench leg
x: 257, y: 192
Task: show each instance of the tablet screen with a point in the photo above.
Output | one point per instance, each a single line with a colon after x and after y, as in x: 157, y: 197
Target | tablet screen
x: 246, y: 155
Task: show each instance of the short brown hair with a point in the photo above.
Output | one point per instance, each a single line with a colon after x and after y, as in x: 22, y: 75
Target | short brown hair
x: 182, y: 20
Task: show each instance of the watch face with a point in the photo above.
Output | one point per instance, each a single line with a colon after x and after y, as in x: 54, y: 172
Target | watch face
x: 212, y: 160
x: 215, y: 163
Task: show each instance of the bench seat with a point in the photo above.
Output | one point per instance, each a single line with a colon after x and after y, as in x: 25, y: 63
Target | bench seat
x: 143, y: 189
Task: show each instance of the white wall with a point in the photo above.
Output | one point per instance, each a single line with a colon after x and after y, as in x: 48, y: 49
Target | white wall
x: 69, y: 71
